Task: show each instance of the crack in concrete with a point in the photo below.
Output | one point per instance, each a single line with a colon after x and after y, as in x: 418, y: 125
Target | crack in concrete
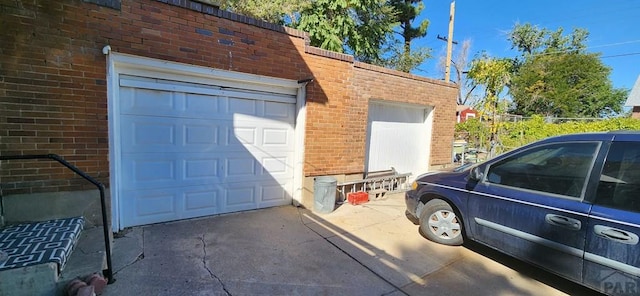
x: 140, y: 257
x: 204, y: 264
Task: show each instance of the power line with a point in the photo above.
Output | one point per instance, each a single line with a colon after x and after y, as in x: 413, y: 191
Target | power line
x: 621, y: 55
x: 592, y: 47
x: 615, y: 44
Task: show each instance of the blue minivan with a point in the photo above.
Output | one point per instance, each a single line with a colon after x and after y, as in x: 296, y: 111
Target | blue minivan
x: 569, y: 204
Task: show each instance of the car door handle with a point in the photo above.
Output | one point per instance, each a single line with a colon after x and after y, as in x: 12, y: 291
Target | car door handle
x: 617, y: 235
x: 563, y: 221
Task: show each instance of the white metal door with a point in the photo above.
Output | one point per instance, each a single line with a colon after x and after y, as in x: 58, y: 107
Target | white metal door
x: 190, y: 150
x: 399, y: 137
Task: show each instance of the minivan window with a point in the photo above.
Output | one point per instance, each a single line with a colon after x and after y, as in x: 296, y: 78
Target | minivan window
x: 560, y: 168
x: 619, y: 185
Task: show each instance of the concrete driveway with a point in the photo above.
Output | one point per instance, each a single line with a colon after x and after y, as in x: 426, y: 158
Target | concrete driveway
x: 369, y: 249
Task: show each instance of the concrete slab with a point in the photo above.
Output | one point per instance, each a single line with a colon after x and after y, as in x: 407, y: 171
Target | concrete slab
x: 129, y: 249
x: 37, y: 279
x: 370, y: 249
x: 268, y: 252
x: 88, y: 256
x: 400, y: 261
x: 473, y: 273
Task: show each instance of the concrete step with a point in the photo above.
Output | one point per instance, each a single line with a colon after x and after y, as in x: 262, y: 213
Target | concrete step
x: 89, y: 257
x: 42, y: 257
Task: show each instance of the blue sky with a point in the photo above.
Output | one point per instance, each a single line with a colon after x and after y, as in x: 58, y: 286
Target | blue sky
x: 614, y: 27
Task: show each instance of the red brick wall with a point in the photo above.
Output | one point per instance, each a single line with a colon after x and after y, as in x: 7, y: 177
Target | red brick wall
x: 53, y: 82
x: 337, y: 109
x: 52, y: 87
x: 328, y: 147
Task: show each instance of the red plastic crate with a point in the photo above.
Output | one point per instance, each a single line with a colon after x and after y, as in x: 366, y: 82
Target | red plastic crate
x: 356, y: 198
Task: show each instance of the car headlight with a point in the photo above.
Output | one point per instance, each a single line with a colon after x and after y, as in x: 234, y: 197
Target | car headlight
x: 414, y: 185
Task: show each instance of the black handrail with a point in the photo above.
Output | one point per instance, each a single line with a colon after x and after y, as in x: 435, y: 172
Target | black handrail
x: 108, y: 273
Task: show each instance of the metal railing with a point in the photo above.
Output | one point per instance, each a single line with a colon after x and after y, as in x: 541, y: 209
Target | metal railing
x: 108, y: 273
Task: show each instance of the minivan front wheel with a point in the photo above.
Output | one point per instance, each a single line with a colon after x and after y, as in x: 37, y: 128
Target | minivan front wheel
x: 439, y: 223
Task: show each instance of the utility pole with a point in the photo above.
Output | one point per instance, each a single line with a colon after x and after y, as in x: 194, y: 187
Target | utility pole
x: 447, y: 71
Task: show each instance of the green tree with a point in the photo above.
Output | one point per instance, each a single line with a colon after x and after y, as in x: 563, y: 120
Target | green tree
x: 555, y: 76
x: 494, y: 75
x: 363, y: 28
x: 402, y: 57
x: 357, y: 26
x: 273, y: 11
x: 395, y: 57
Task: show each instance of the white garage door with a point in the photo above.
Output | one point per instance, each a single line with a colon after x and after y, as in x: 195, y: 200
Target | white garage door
x: 190, y: 150
x: 399, y: 136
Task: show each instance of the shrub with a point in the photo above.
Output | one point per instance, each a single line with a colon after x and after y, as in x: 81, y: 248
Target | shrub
x: 515, y: 134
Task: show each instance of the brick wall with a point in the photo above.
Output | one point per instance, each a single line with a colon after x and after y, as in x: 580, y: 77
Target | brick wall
x: 327, y: 144
x: 52, y: 87
x: 337, y: 109
x: 53, y: 82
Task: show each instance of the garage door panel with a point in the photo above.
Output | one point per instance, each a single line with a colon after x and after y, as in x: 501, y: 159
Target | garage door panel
x: 151, y: 134
x: 252, y: 195
x: 154, y: 133
x: 272, y: 164
x: 206, y: 134
x: 281, y: 111
x: 159, y: 134
x: 172, y: 104
x: 265, y: 137
x: 145, y: 207
x: 240, y: 167
x: 273, y: 137
x: 241, y: 136
x: 281, y: 117
x: 154, y: 170
x: 202, y: 106
x: 260, y: 138
x: 147, y: 171
x: 153, y: 206
x: 242, y: 106
x: 201, y: 201
x: 176, y: 134
x: 176, y: 104
x: 141, y: 101
x: 199, y: 168
x: 274, y: 194
x: 240, y: 195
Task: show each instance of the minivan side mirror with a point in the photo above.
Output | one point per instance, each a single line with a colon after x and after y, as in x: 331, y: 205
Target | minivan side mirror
x: 475, y: 174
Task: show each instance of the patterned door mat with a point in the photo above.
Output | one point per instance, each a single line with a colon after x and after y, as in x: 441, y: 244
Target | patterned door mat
x: 40, y: 242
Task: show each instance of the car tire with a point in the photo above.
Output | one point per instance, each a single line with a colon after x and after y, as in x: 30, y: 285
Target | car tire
x: 439, y: 223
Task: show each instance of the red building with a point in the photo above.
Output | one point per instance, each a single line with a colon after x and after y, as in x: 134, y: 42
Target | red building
x: 465, y: 112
